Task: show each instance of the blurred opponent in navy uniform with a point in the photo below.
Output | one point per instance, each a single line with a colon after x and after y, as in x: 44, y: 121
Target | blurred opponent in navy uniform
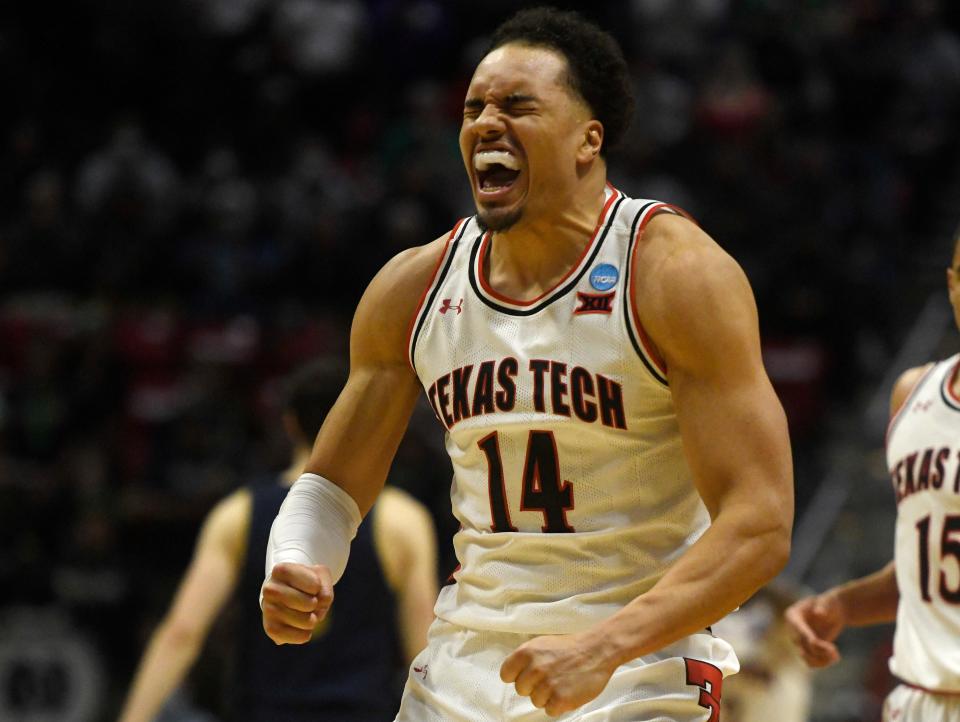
x: 383, y: 606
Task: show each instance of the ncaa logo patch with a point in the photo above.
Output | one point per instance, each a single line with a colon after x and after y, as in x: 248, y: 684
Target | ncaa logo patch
x: 604, y: 277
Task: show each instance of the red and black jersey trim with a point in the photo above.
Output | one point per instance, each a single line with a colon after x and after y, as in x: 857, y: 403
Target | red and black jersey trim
x: 555, y: 293
x: 657, y: 374
x: 436, y: 284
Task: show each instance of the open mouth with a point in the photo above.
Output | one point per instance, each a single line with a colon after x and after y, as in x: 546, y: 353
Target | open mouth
x: 497, y: 170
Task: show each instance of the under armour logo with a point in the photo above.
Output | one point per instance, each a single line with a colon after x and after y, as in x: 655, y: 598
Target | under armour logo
x: 922, y: 405
x: 448, y: 306
x: 422, y: 671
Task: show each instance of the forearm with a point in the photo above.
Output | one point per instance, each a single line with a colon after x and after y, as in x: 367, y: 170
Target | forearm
x: 164, y: 665
x: 733, y: 558
x: 869, y: 600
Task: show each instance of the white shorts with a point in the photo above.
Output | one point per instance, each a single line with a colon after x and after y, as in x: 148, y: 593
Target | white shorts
x: 457, y: 679
x: 910, y: 704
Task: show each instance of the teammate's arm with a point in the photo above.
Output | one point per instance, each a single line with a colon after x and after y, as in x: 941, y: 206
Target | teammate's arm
x: 407, y: 548
x: 817, y: 621
x: 205, y: 588
x: 352, y: 453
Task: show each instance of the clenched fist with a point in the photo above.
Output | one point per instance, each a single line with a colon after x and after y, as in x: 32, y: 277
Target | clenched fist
x: 295, y: 598
x: 558, y: 673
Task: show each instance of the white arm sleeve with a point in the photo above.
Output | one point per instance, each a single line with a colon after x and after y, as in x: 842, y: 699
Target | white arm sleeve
x: 315, y: 525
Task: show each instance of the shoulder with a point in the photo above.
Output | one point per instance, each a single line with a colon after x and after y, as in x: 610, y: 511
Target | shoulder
x: 232, y: 511
x: 676, y: 258
x: 228, y: 522
x: 397, y: 513
x: 393, y: 296
x: 905, y: 384
x: 687, y: 285
x: 405, y: 275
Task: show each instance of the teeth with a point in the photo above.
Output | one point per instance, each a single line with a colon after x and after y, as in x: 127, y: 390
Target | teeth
x: 486, y: 158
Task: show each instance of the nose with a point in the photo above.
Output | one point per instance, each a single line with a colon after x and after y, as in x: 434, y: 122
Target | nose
x: 489, y: 123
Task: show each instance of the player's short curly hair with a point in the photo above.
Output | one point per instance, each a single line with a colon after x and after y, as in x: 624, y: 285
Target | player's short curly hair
x: 597, y: 69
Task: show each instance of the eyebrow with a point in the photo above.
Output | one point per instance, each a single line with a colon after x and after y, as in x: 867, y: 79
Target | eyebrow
x: 512, y: 99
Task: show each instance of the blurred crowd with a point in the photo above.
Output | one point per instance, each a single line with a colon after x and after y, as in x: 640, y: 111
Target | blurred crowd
x: 194, y: 193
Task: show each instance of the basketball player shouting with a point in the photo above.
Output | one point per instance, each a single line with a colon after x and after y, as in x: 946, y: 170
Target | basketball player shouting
x: 621, y: 463
x: 920, y: 588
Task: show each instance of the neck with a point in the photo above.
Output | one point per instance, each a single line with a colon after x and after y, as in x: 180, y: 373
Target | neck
x: 532, y: 256
x: 301, y: 455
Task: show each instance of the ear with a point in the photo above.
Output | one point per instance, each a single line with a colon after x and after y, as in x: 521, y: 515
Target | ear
x: 592, y: 141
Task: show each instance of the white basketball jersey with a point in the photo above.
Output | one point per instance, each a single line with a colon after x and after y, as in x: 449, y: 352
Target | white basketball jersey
x: 570, y: 482
x: 923, y: 455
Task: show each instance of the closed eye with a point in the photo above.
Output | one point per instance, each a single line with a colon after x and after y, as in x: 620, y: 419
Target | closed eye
x: 472, y: 107
x: 513, y: 104
x: 518, y: 104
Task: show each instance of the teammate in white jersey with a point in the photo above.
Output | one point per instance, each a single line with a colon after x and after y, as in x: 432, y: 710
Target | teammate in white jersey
x: 920, y: 588
x: 621, y: 463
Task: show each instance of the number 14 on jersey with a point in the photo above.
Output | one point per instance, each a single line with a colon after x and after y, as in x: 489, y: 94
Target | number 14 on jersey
x: 542, y: 487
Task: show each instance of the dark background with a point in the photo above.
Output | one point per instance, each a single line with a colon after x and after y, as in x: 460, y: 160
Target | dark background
x: 194, y: 194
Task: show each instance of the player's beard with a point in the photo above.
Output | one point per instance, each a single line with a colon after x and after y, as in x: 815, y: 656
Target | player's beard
x: 494, y: 221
